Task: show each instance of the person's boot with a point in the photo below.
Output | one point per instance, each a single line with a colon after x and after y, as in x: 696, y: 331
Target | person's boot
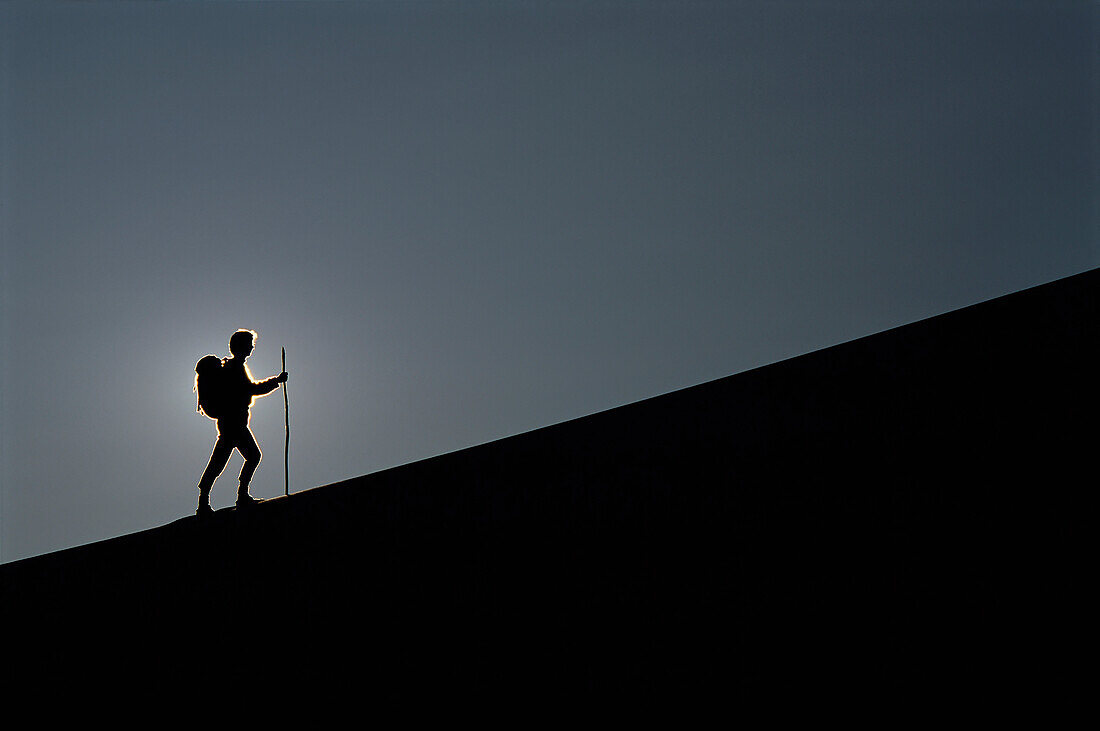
x: 244, y: 500
x: 204, y: 509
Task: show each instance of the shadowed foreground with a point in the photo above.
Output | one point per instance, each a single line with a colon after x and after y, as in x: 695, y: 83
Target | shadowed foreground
x: 898, y: 516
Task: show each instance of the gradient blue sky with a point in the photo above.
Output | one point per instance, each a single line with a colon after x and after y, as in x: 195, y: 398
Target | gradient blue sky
x: 466, y: 220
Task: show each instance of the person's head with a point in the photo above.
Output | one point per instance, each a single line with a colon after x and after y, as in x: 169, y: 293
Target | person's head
x: 241, y: 343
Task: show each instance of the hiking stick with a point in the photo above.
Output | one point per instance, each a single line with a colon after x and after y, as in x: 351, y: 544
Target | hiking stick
x: 286, y: 447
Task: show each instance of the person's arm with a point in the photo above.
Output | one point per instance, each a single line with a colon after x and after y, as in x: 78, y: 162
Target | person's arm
x: 266, y: 386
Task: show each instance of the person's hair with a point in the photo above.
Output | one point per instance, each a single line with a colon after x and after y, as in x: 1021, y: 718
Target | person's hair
x: 240, y: 339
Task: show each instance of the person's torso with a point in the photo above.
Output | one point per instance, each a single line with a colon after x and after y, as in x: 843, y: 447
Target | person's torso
x: 238, y: 387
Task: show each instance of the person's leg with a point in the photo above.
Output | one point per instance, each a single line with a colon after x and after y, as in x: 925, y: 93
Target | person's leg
x: 218, y: 459
x: 246, y: 445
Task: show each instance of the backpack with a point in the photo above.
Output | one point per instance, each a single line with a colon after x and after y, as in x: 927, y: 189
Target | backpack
x: 210, y: 386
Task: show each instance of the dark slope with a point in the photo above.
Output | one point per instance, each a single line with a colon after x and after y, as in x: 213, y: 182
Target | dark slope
x: 900, y: 514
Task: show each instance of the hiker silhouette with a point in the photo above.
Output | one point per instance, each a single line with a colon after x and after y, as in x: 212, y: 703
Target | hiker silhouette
x: 226, y: 391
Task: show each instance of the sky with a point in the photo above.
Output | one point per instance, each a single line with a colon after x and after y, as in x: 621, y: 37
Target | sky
x: 466, y: 220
